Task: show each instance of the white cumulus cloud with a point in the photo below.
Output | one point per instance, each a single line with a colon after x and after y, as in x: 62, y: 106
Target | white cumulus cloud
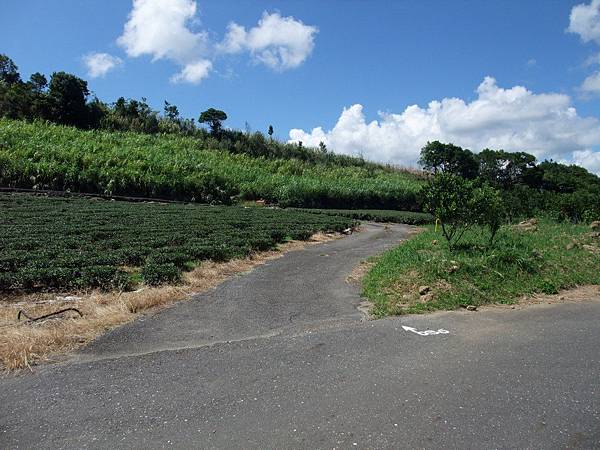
x: 513, y: 119
x: 161, y: 29
x: 588, y: 159
x: 592, y: 84
x: 585, y: 21
x: 99, y: 64
x: 194, y: 72
x: 278, y: 42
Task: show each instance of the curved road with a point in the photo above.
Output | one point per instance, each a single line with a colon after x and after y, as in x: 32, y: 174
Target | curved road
x: 281, y: 358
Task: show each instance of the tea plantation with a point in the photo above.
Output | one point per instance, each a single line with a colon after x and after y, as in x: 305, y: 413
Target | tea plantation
x: 78, y: 243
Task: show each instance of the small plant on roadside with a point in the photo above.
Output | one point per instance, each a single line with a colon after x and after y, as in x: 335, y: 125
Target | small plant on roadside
x: 449, y: 198
x: 488, y: 209
x: 460, y: 206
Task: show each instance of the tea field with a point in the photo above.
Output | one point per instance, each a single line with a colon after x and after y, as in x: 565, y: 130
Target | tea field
x: 51, y: 243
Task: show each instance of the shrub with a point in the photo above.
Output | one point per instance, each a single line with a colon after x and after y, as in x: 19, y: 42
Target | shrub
x: 156, y: 274
x: 449, y: 198
x: 488, y: 209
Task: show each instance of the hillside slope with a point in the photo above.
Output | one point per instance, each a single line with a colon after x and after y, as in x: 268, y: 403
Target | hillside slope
x: 44, y: 156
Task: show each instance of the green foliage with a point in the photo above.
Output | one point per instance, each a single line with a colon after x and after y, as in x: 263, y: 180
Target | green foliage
x: 71, y: 243
x: 131, y: 115
x: 488, y: 209
x: 156, y: 274
x: 503, y: 169
x: 565, y: 192
x: 33, y: 101
x: 449, y: 199
x: 215, y: 118
x: 437, y: 157
x: 555, y: 257
x: 378, y: 215
x: 44, y: 156
x: 460, y: 204
x: 67, y: 94
x: 9, y: 72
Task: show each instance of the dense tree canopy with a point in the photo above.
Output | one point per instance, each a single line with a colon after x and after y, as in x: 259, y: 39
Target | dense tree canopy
x: 568, y: 192
x: 448, y: 158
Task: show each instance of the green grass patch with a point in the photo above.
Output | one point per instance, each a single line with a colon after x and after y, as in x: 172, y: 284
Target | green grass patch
x: 77, y: 243
x: 44, y: 156
x: 379, y: 215
x: 555, y: 256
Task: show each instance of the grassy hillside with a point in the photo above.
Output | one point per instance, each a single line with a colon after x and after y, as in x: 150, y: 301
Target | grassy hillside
x: 44, y: 156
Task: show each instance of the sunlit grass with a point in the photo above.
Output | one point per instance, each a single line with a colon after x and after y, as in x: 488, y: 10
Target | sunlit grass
x: 556, y: 256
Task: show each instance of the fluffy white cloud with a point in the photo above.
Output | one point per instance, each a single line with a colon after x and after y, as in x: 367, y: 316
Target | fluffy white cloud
x: 99, y: 64
x: 512, y: 119
x: 193, y: 72
x: 588, y: 159
x: 592, y: 84
x: 278, y: 42
x: 160, y: 29
x: 585, y: 21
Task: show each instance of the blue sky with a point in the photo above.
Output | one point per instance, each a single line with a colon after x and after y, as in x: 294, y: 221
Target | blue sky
x: 340, y: 65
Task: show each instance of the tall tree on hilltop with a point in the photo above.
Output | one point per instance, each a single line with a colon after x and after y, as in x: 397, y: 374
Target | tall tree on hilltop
x: 68, y: 95
x: 214, y: 118
x: 9, y: 72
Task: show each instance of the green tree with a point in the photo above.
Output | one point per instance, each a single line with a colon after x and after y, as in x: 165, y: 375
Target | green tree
x: 449, y: 198
x: 38, y: 82
x: 9, y: 72
x: 506, y: 169
x: 322, y: 147
x: 438, y: 157
x: 214, y: 118
x: 131, y: 115
x: 171, y: 112
x: 487, y: 208
x: 68, y: 95
x: 270, y: 131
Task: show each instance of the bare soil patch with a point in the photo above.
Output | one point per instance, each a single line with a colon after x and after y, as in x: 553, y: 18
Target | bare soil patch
x: 575, y: 295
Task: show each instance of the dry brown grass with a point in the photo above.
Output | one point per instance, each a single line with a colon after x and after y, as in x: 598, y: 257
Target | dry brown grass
x: 23, y: 344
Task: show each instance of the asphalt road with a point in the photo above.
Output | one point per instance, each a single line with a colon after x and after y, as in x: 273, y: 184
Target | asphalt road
x: 280, y: 358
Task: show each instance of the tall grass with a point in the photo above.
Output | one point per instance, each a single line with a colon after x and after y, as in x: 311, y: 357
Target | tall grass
x: 44, y: 156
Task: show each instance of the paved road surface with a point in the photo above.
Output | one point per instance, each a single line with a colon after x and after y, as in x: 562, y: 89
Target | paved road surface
x: 301, y: 370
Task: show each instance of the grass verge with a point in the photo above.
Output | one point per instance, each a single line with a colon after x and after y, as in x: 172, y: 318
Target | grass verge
x: 378, y: 215
x: 422, y: 274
